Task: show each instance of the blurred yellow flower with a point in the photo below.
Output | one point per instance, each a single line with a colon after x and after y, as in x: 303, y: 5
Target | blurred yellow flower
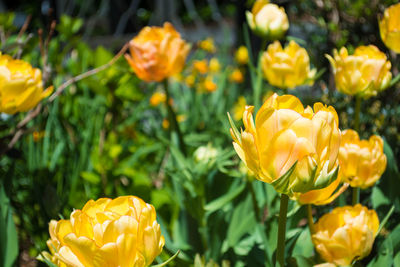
x: 107, y: 232
x: 190, y: 80
x: 345, y: 234
x: 208, y: 45
x: 362, y: 162
x: 365, y: 73
x: 389, y: 27
x: 239, y: 107
x: 236, y: 76
x: 209, y: 85
x: 288, y: 67
x: 179, y: 118
x: 165, y: 123
x: 157, y: 53
x: 242, y: 55
x: 214, y: 65
x: 21, y: 86
x: 200, y: 66
x: 157, y: 98
x: 267, y: 20
x: 291, y: 147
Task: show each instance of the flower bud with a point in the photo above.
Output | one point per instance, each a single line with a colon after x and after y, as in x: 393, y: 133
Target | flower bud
x: 267, y: 20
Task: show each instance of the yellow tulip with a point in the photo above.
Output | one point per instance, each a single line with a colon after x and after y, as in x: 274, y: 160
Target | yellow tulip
x: 365, y: 73
x: 345, y: 234
x: 208, y: 45
x: 21, y: 86
x: 291, y: 147
x: 157, y: 98
x: 239, y: 107
x: 236, y: 76
x: 362, y: 162
x: 208, y: 85
x: 190, y: 80
x: 214, y: 65
x: 157, y: 53
x: 389, y: 27
x: 267, y: 20
x: 107, y: 232
x: 242, y: 55
x: 288, y: 67
x: 200, y: 66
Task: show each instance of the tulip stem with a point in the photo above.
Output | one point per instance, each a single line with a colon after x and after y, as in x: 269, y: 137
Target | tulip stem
x: 357, y: 111
x: 172, y: 119
x: 310, y: 219
x: 280, y: 249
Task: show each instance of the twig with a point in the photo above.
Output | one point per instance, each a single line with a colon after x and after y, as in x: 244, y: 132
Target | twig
x: 88, y: 73
x: 24, y: 27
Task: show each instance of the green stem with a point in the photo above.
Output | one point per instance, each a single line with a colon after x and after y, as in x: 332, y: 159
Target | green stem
x: 172, y: 118
x: 356, y: 190
x: 254, y: 199
x: 280, y: 249
x: 310, y: 219
x: 258, y: 85
x: 356, y: 195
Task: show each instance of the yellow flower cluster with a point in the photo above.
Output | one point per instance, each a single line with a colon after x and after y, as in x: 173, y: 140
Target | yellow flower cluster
x: 202, y: 75
x: 345, y: 234
x: 157, y: 53
x: 208, y: 45
x: 291, y: 147
x: 107, y: 232
x: 21, y: 86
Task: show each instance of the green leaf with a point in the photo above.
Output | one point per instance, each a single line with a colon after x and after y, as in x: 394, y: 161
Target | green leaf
x: 234, y: 129
x: 225, y: 199
x: 168, y: 261
x: 300, y: 261
x: 282, y: 183
x: 384, y: 221
x: 8, y: 232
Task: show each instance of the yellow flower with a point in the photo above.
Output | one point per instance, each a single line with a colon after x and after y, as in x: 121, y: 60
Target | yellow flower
x: 267, y: 20
x: 236, y: 76
x: 157, y: 53
x: 107, y: 232
x: 209, y: 85
x: 200, y: 66
x: 165, y: 123
x: 190, y: 80
x: 362, y: 162
x: 365, y: 73
x: 345, y: 234
x: 214, y: 65
x: 239, y: 107
x: 389, y: 27
x: 242, y: 55
x: 288, y: 67
x: 291, y: 147
x: 208, y: 45
x: 157, y: 98
x: 21, y: 86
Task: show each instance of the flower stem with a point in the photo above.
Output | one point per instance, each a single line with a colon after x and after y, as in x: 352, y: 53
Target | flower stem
x: 172, y: 119
x: 280, y: 249
x: 356, y: 190
x: 310, y: 219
